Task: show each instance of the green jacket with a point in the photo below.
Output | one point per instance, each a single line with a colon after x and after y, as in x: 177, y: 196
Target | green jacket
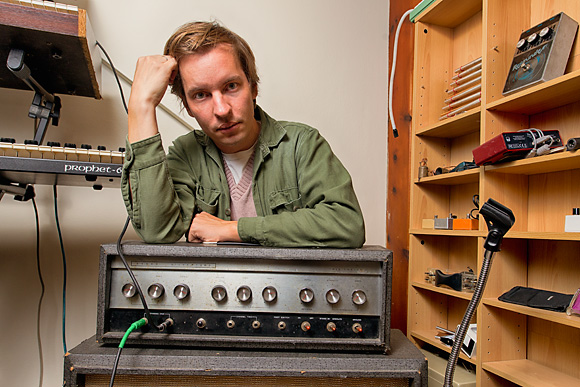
x: 302, y: 192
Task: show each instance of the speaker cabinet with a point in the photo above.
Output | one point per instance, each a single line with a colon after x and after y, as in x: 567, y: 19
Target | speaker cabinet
x: 90, y: 364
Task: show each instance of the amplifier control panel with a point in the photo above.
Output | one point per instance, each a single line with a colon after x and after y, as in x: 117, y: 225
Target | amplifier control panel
x: 251, y: 297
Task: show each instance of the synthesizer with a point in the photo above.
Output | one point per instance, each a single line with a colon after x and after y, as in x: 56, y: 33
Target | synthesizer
x: 248, y: 296
x: 62, y: 165
x: 59, y: 43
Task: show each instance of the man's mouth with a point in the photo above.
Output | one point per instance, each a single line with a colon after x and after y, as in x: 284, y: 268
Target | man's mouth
x: 228, y: 126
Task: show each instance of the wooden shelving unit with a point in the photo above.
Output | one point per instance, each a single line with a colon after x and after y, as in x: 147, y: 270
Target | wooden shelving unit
x: 516, y: 345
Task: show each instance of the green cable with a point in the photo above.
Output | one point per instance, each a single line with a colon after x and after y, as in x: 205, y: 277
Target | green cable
x: 135, y: 325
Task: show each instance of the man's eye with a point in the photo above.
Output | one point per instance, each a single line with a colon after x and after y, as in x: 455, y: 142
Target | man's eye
x: 232, y: 86
x: 199, y: 95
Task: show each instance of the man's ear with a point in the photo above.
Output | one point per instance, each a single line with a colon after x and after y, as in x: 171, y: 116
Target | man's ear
x: 254, y: 91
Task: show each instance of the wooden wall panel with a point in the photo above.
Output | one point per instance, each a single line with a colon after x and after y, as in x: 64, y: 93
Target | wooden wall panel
x: 399, y: 154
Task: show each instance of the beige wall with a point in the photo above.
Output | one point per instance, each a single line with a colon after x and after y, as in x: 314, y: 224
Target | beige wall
x: 321, y: 62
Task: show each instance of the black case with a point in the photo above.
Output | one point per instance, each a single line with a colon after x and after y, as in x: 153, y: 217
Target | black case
x: 535, y: 298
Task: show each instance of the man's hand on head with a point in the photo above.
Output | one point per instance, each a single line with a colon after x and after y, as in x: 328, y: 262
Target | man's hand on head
x: 208, y: 228
x: 152, y: 76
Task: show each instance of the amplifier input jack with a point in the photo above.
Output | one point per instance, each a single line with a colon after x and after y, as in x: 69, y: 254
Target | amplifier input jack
x: 281, y: 325
x: 256, y: 324
x: 357, y: 328
x: 305, y: 326
x: 331, y: 327
x: 230, y: 324
x: 165, y: 324
x: 200, y: 323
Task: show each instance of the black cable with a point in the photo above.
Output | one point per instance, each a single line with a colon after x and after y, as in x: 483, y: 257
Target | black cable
x: 114, y: 372
x: 41, y: 361
x: 119, y: 247
x: 475, y: 200
x: 137, y: 287
x: 115, y: 74
x: 63, y: 270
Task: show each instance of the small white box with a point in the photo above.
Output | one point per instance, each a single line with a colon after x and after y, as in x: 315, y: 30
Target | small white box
x: 572, y: 223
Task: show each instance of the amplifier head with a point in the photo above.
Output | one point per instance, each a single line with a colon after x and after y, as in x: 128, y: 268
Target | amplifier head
x: 248, y: 297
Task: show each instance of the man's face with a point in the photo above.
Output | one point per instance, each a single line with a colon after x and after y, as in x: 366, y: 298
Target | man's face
x: 219, y: 96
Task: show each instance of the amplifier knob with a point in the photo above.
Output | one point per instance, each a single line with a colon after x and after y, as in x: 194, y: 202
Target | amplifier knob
x: 269, y: 293
x: 155, y: 291
x: 181, y: 291
x: 305, y: 326
x: 332, y: 296
x: 522, y: 44
x: 359, y: 297
x: 306, y: 295
x: 219, y: 293
x: 244, y: 293
x: 128, y: 290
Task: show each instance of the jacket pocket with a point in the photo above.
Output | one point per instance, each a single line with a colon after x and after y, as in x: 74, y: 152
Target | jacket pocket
x: 207, y: 199
x: 285, y: 200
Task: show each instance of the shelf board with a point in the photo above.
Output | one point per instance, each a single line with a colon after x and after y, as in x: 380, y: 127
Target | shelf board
x: 428, y: 336
x: 540, y: 235
x: 529, y: 373
x: 549, y: 95
x: 453, y: 127
x: 450, y: 13
x: 547, y: 315
x: 562, y: 161
x: 438, y: 289
x: 451, y: 233
x: 452, y: 178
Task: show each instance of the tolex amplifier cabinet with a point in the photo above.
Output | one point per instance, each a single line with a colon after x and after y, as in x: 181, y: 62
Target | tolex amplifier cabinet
x: 90, y: 364
x: 248, y: 297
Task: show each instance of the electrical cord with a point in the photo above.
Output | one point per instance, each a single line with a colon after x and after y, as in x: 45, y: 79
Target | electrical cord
x: 38, y: 337
x: 136, y: 325
x: 164, y: 325
x: 115, y: 74
x: 63, y: 269
x: 137, y: 287
x: 148, y: 318
x: 392, y: 79
x: 544, y: 141
x: 475, y: 200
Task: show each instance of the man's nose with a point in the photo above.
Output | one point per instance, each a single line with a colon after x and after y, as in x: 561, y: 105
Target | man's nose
x: 221, y: 106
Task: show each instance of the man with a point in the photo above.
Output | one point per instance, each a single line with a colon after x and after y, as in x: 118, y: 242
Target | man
x: 245, y: 177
